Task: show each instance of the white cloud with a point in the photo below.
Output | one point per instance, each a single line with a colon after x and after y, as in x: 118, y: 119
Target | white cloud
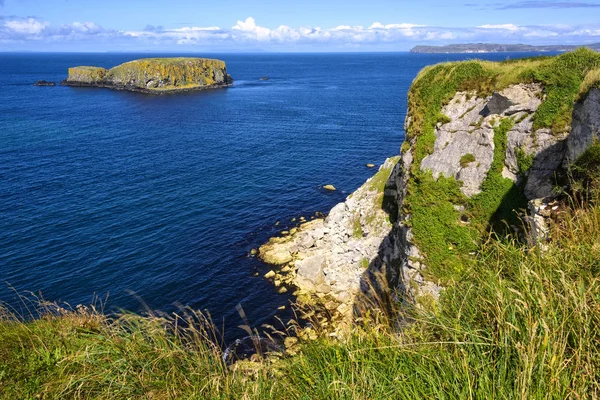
x: 249, y: 34
x: 251, y: 30
x: 505, y: 27
x: 29, y: 26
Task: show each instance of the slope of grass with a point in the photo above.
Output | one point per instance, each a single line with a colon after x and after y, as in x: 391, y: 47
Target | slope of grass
x: 521, y: 324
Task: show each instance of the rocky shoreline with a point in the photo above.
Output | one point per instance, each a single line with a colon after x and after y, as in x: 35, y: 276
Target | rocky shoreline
x: 327, y: 259
x: 130, y: 88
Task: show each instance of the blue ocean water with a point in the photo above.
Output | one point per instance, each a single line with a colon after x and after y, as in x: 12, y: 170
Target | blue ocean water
x: 156, y: 201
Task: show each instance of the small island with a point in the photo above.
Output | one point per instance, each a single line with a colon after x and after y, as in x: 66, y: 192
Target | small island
x: 154, y: 75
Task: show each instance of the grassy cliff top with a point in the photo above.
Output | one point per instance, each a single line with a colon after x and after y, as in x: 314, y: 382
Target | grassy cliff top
x: 446, y: 244
x: 565, y: 78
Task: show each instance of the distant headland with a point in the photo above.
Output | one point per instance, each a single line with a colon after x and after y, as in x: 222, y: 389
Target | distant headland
x: 154, y: 75
x: 497, y: 48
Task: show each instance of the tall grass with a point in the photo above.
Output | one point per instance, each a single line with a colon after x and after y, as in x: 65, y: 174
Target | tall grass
x: 523, y: 323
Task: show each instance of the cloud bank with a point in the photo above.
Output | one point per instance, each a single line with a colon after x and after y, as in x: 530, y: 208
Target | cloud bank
x: 248, y: 34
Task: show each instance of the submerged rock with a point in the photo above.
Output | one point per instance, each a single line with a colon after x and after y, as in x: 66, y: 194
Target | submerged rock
x: 44, y: 83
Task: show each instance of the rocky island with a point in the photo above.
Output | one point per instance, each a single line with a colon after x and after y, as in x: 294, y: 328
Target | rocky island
x: 154, y: 75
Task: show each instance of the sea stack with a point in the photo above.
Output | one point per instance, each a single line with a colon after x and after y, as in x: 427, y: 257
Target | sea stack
x: 154, y: 75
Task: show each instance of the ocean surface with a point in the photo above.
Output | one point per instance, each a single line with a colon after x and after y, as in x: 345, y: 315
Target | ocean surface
x: 155, y: 202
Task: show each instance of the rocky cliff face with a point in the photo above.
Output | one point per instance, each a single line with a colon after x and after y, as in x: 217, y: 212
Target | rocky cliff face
x: 154, y: 75
x: 476, y: 162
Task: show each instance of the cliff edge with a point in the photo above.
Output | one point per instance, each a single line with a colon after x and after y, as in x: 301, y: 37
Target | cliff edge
x: 154, y: 75
x: 488, y: 151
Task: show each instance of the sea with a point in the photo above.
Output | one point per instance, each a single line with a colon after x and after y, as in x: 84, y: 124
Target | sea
x: 144, y: 203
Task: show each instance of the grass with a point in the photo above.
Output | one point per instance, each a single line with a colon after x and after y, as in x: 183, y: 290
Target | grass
x: 524, y: 160
x: 586, y: 171
x: 591, y: 80
x: 521, y: 324
x: 357, y: 230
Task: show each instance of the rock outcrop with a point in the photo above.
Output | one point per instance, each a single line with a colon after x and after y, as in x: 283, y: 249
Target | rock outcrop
x: 586, y: 126
x: 154, y: 75
x: 331, y: 256
x: 44, y: 83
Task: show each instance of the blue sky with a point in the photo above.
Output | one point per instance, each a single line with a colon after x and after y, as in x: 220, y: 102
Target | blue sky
x: 270, y: 25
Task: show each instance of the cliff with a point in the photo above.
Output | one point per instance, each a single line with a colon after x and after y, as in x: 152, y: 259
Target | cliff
x: 154, y: 75
x: 485, y: 142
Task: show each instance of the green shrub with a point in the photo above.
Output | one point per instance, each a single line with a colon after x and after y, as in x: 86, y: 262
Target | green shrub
x: 466, y: 160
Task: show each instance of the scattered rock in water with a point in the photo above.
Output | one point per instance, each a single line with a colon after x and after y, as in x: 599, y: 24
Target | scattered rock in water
x: 302, y: 219
x: 285, y: 233
x: 370, y: 165
x: 329, y: 187
x: 264, y: 78
x: 254, y: 252
x: 270, y: 274
x: 44, y: 83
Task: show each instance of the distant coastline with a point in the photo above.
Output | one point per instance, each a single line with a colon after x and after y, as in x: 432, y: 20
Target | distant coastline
x: 497, y: 48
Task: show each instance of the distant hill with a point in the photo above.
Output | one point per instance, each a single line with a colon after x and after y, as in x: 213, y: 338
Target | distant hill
x: 496, y: 48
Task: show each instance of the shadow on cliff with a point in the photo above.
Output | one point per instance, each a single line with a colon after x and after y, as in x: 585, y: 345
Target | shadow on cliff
x: 381, y: 277
x: 386, y: 282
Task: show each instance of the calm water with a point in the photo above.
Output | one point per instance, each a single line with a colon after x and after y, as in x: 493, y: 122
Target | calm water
x: 162, y: 198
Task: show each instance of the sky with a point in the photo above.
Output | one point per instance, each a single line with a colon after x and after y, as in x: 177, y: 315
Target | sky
x: 288, y: 26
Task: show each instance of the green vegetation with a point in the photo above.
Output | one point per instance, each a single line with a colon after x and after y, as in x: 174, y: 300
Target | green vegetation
x: 500, y: 198
x: 563, y: 77
x: 87, y: 74
x: 364, y: 263
x: 591, y: 80
x: 524, y: 160
x: 521, y: 324
x: 586, y: 171
x: 466, y: 160
x: 443, y: 119
x: 357, y: 230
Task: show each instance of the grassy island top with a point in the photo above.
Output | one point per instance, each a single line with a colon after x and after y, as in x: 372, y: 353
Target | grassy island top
x: 154, y: 74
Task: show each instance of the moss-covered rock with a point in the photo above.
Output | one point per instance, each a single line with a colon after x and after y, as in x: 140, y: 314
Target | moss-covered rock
x: 89, y: 75
x: 155, y: 75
